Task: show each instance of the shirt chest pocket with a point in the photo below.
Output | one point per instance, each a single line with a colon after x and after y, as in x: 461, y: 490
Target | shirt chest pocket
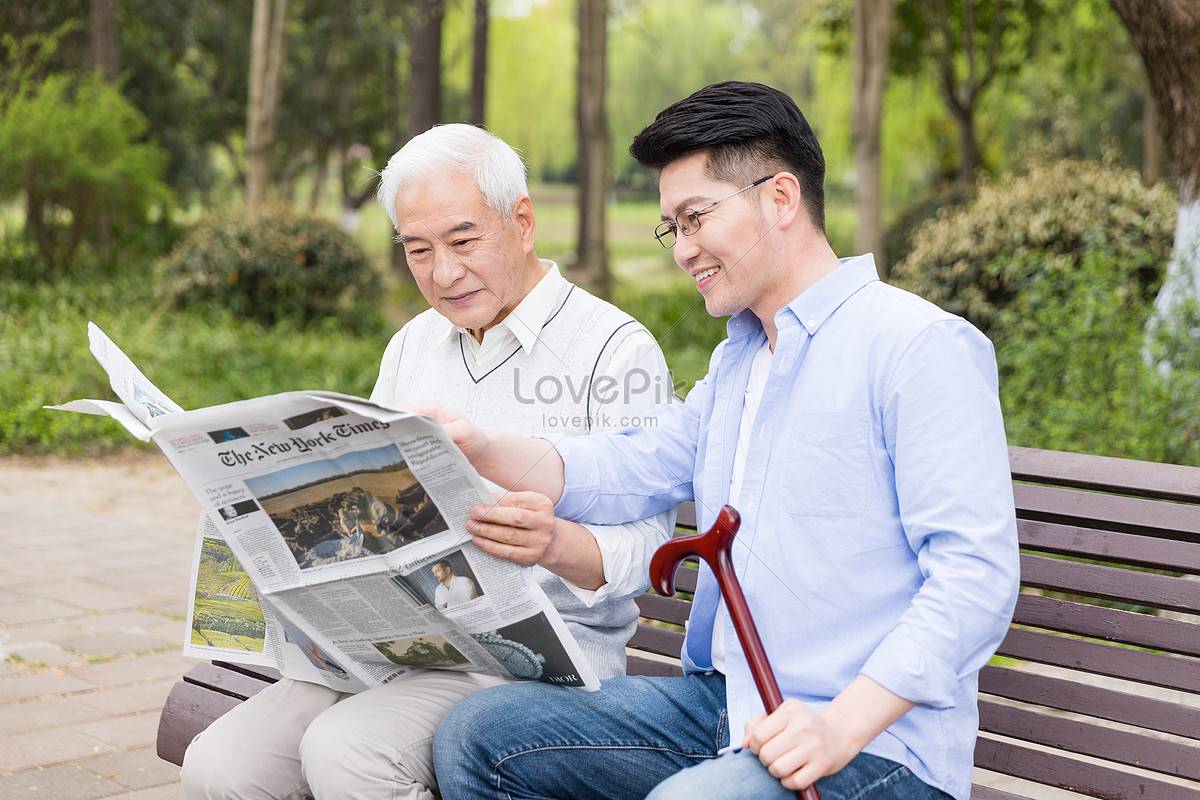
x: 824, y: 459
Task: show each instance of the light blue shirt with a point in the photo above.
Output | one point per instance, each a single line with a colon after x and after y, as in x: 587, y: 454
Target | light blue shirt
x: 878, y: 532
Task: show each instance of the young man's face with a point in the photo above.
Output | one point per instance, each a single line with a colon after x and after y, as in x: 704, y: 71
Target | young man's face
x: 723, y: 255
x: 440, y: 572
x: 470, y: 262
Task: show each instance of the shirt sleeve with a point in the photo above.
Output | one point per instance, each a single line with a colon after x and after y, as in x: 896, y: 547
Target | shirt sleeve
x: 627, y: 385
x: 636, y: 472
x: 944, y: 432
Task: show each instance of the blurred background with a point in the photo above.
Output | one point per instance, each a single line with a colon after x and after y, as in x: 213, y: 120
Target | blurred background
x: 198, y: 178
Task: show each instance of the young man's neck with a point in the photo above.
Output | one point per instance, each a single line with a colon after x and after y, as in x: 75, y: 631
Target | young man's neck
x: 812, y: 264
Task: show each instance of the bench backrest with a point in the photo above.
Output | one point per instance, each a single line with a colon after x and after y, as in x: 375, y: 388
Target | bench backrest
x: 1103, y: 658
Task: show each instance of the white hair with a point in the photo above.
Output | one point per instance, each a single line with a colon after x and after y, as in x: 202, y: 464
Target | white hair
x: 456, y: 149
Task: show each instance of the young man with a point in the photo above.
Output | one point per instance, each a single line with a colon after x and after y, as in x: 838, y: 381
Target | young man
x: 509, y: 341
x: 452, y: 590
x: 857, y: 430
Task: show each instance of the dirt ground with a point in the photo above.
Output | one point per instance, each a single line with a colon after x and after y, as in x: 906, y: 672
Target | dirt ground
x: 124, y: 486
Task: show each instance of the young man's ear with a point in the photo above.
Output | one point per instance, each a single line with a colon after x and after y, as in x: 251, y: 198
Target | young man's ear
x: 786, y: 199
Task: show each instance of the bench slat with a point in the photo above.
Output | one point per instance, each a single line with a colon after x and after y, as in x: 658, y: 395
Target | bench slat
x: 1105, y: 474
x: 992, y: 793
x: 663, y: 609
x: 222, y: 679
x: 188, y: 710
x: 1154, y: 669
x: 1124, y: 548
x: 1095, y: 701
x: 1112, y: 624
x: 657, y: 640
x: 1176, y: 759
x: 1111, y: 583
x: 1108, y: 512
x: 1091, y: 780
x: 653, y: 668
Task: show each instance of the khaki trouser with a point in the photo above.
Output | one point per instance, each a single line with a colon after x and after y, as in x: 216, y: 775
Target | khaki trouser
x: 297, y: 740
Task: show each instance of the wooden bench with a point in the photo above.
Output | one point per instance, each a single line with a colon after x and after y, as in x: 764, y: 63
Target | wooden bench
x: 1096, y: 689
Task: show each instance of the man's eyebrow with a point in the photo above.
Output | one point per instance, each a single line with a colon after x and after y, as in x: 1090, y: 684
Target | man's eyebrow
x: 459, y: 228
x: 691, y: 202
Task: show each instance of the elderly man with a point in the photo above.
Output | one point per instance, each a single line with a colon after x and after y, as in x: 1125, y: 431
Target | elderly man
x: 510, y: 342
x: 857, y: 429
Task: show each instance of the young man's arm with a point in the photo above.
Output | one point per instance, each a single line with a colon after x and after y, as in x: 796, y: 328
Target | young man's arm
x: 519, y: 462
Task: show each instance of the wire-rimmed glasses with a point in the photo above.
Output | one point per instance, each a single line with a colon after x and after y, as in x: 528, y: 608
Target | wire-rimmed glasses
x: 687, y: 221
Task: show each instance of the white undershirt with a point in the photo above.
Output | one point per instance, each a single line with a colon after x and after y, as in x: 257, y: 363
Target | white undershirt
x: 759, y: 371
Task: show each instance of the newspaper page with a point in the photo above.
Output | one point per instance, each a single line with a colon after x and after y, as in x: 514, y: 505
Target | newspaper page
x: 334, y: 543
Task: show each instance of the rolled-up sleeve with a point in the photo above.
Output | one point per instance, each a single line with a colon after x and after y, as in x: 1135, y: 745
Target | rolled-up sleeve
x: 956, y: 509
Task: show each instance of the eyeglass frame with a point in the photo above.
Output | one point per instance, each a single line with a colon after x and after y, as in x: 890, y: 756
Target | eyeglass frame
x: 670, y: 226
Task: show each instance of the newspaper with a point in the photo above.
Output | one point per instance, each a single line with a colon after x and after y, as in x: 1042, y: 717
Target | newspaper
x: 333, y: 544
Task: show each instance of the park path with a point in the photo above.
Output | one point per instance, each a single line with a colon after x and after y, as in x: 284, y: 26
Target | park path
x: 94, y: 564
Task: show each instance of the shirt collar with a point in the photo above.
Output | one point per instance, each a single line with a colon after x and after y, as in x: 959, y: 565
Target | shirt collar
x: 816, y: 303
x: 526, y: 321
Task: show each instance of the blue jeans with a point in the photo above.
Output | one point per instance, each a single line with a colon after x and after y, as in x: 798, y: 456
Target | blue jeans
x: 533, y: 741
x: 739, y: 774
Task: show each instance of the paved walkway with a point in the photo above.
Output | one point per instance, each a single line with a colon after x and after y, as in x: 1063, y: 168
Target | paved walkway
x: 94, y: 564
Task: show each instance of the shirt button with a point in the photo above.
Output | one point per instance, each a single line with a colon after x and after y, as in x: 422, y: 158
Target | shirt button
x: 812, y: 323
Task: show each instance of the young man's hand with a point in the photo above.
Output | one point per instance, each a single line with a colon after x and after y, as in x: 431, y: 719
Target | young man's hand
x: 799, y: 745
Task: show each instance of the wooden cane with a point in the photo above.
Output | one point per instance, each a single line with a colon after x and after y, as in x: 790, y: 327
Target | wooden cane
x: 715, y: 546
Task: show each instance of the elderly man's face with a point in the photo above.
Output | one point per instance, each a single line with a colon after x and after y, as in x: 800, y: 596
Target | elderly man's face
x: 471, y: 263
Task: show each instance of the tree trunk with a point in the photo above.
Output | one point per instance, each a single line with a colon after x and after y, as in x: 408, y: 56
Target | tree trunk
x: 871, y: 21
x: 425, y: 65
x: 266, y: 70
x: 424, y: 23
x: 1166, y: 34
x: 968, y: 145
x: 479, y: 65
x: 591, y: 267
x: 104, y: 38
x: 1151, y: 143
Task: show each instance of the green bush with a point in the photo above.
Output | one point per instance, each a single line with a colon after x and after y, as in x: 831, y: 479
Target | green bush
x: 1072, y: 374
x: 272, y: 265
x: 975, y: 259
x: 684, y: 330
x: 70, y: 148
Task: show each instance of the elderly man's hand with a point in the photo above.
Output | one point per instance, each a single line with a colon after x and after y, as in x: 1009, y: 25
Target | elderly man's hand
x: 471, y: 439
x: 521, y: 527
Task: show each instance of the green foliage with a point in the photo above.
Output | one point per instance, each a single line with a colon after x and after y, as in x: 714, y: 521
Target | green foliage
x: 199, y: 357
x: 684, y: 330
x: 975, y: 259
x: 272, y: 265
x: 1072, y: 374
x: 71, y: 147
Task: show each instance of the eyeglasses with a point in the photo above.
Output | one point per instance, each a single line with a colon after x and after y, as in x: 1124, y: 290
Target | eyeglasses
x: 687, y: 222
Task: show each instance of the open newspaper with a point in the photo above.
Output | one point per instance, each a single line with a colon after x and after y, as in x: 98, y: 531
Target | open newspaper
x: 333, y: 544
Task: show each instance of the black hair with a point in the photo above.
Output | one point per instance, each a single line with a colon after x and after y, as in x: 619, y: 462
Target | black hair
x: 745, y: 128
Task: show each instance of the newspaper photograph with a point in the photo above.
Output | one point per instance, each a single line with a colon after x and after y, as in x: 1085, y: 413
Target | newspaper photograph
x: 333, y: 543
